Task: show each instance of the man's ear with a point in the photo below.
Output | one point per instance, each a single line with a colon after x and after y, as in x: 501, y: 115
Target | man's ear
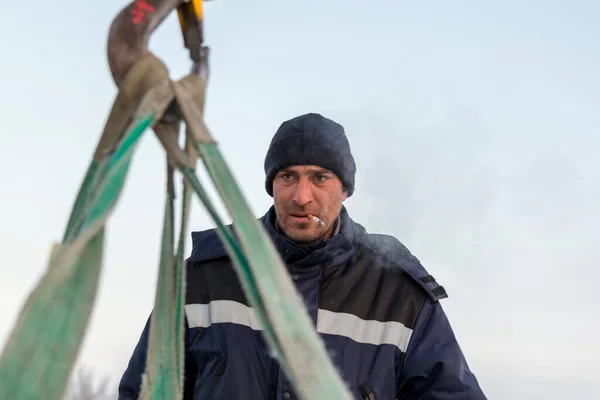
x: 344, y: 193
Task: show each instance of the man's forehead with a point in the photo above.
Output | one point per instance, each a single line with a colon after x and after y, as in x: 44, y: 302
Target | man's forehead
x: 306, y: 169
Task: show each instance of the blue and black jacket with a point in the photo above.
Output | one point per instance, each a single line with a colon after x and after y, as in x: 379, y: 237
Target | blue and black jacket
x: 374, y: 305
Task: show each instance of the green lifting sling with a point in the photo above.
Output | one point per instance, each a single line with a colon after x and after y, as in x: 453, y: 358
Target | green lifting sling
x: 39, y: 356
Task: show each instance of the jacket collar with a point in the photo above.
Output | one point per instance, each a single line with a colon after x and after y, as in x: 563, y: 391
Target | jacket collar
x: 206, y: 245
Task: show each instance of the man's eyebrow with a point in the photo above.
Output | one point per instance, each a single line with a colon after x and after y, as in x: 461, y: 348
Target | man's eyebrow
x: 287, y: 171
x: 319, y: 171
x: 311, y: 171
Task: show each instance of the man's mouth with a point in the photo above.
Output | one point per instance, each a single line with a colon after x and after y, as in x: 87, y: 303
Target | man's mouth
x: 309, y: 216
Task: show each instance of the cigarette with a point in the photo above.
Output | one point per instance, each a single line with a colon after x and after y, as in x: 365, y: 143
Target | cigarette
x: 316, y: 219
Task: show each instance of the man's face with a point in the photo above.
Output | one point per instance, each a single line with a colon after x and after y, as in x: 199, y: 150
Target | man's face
x: 307, y: 189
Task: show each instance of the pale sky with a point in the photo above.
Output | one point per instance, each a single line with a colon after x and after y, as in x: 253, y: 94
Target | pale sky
x: 474, y: 127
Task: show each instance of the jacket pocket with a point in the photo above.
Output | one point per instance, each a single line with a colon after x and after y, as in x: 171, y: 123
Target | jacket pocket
x: 211, y: 379
x: 367, y: 392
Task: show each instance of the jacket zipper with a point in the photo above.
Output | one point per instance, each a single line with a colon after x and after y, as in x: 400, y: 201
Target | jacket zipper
x: 367, y: 392
x: 216, y: 371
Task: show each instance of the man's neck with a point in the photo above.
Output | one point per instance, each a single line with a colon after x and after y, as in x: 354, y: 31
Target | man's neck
x: 337, y: 226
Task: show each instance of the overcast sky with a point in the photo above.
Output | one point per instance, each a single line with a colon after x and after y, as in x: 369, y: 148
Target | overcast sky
x: 474, y: 127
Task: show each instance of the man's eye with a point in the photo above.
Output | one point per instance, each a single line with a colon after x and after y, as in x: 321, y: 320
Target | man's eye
x: 286, y: 177
x: 321, y: 178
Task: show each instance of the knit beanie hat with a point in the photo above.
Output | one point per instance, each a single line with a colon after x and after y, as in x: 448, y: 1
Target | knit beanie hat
x: 311, y: 139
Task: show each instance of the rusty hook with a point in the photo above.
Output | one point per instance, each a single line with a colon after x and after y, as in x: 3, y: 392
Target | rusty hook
x: 131, y: 29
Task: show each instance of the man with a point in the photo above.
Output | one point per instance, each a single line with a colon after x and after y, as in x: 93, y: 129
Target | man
x: 374, y: 305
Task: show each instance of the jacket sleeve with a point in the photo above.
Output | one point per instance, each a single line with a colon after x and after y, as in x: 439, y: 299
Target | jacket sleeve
x: 434, y: 366
x: 131, y: 381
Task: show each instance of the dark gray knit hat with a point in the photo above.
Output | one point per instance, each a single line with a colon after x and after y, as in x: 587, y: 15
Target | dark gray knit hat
x: 311, y: 139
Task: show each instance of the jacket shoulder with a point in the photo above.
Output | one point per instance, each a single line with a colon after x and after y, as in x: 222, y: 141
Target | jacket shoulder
x: 206, y: 245
x: 398, y: 256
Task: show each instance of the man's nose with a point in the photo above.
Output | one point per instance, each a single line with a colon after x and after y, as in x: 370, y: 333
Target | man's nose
x: 303, y: 193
